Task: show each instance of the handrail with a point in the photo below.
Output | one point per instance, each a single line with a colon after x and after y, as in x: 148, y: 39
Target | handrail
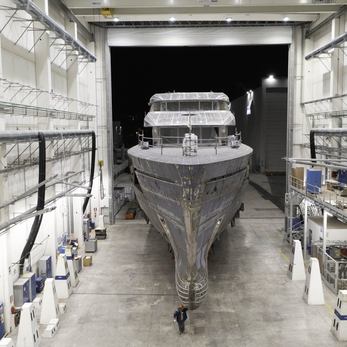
x: 146, y: 142
x: 327, y: 199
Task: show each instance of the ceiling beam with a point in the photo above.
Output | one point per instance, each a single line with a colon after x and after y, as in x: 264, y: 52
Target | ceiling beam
x: 326, y: 8
x: 313, y: 29
x: 72, y: 18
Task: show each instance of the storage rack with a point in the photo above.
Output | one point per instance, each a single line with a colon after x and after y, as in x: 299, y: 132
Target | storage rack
x: 20, y: 151
x: 67, y: 42
x: 21, y: 101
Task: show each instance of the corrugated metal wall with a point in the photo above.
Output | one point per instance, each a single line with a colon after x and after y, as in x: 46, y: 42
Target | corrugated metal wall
x: 275, y: 128
x: 265, y: 128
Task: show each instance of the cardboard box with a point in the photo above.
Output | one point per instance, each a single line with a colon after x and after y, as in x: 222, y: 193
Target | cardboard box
x: 131, y: 213
x: 298, y: 177
x: 87, y: 260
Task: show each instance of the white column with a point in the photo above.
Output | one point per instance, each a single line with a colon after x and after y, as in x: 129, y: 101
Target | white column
x: 48, y: 229
x: 305, y: 230
x: 6, y: 284
x: 4, y: 212
x: 72, y: 70
x: 104, y: 122
x: 325, y: 221
x: 78, y: 219
x: 42, y: 73
x: 290, y: 217
x: 1, y: 74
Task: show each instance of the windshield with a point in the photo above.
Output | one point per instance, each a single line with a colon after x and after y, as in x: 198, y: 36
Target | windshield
x: 175, y: 106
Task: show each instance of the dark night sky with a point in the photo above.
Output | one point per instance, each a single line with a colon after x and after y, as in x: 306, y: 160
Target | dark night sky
x: 138, y: 73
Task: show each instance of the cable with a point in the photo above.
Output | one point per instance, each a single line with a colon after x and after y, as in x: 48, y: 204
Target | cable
x: 40, y: 203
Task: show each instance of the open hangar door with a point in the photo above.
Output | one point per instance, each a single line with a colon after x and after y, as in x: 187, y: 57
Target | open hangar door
x: 233, y: 60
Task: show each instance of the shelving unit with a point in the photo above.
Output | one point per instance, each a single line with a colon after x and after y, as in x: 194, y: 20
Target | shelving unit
x: 323, y: 108
x: 20, y: 150
x: 328, y: 199
x: 20, y: 100
x: 67, y: 42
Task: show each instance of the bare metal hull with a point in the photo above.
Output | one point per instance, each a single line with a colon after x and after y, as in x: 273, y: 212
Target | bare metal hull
x: 190, y: 201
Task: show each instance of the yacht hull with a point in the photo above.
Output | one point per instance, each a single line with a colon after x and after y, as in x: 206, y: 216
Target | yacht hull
x: 190, y: 201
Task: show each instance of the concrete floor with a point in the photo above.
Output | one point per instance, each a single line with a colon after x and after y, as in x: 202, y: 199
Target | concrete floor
x: 127, y: 298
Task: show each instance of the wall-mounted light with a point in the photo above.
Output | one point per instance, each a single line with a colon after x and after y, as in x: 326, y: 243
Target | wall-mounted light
x: 250, y: 95
x: 172, y: 19
x: 228, y: 19
x: 286, y: 19
x: 271, y: 79
x: 116, y: 19
x: 330, y: 50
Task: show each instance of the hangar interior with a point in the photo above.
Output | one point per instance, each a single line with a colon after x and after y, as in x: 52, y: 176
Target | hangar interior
x: 81, y: 260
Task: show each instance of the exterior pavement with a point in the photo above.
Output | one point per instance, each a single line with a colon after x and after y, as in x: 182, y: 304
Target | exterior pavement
x: 127, y: 297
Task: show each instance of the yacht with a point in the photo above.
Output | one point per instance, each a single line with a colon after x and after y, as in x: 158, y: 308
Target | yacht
x: 189, y: 176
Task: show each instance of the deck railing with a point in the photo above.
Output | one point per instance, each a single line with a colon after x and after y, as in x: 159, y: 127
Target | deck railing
x: 162, y: 142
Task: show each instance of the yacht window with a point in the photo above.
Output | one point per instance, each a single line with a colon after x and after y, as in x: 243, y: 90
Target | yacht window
x: 155, y: 106
x: 205, y: 105
x: 196, y: 130
x: 189, y: 106
x: 181, y: 132
x: 172, y: 106
x: 208, y: 133
x: 169, y: 135
x: 220, y: 105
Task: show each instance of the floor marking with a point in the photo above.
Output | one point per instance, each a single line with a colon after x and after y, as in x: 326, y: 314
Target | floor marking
x: 126, y: 294
x: 263, y: 217
x: 329, y: 308
x: 284, y: 256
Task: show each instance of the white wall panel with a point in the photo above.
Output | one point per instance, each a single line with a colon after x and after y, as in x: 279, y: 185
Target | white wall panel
x: 34, y: 68
x: 17, y: 68
x: 321, y: 36
x: 199, y: 36
x: 59, y: 81
x: 14, y: 29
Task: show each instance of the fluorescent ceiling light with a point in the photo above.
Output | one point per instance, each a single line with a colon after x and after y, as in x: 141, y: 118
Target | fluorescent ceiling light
x: 229, y: 19
x: 172, y: 19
